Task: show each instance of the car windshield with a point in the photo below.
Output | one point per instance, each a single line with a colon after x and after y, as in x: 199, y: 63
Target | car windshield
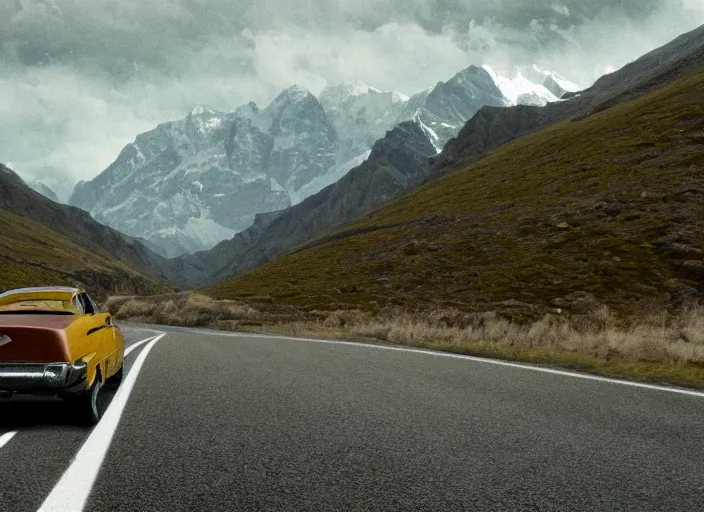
x: 40, y: 305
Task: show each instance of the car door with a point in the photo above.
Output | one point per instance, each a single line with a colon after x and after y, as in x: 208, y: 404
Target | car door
x: 113, y: 340
x: 102, y: 336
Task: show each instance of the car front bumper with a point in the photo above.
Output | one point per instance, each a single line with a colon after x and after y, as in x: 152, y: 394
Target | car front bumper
x: 41, y: 378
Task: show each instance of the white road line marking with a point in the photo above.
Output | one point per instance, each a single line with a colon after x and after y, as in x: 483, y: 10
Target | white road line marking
x: 6, y: 438
x: 71, y: 492
x: 483, y: 360
x: 133, y: 328
x: 137, y: 345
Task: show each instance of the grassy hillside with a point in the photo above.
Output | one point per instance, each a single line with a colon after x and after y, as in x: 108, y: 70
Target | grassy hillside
x: 33, y: 255
x: 605, y: 209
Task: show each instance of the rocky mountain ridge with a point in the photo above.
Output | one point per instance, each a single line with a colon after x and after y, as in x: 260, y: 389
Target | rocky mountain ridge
x: 189, y: 184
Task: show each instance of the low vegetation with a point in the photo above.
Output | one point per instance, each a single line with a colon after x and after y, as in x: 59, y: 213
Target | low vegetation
x: 33, y: 255
x: 606, y: 208
x: 655, y: 348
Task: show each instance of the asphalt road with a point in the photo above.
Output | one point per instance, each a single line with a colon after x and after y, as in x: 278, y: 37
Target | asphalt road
x: 220, y: 422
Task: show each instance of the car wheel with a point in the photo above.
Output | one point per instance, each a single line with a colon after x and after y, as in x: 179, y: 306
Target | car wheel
x: 88, y: 402
x: 117, y: 378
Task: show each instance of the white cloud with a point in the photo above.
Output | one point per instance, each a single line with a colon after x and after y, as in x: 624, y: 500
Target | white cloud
x: 560, y: 9
x: 694, y: 5
x: 80, y: 78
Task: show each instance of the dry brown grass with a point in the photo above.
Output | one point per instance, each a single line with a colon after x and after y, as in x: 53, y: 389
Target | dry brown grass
x: 678, y: 341
x: 663, y: 347
x: 183, y: 309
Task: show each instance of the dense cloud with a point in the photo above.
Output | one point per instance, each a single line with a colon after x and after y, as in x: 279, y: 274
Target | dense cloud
x: 80, y: 78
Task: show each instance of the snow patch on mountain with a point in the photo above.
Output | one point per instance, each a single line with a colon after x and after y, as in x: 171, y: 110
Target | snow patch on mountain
x: 434, y: 139
x: 520, y: 90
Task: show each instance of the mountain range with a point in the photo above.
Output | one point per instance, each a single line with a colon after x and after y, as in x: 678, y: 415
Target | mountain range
x: 189, y: 184
x: 596, y: 200
x: 489, y: 128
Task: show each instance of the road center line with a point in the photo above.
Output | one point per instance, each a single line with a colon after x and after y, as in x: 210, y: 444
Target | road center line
x: 73, y: 489
x: 6, y: 438
x: 483, y: 360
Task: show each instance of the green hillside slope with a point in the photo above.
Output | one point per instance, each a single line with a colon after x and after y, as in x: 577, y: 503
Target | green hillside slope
x: 33, y: 255
x: 608, y: 207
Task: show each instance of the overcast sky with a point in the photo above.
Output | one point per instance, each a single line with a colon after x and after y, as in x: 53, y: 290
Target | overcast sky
x: 80, y: 78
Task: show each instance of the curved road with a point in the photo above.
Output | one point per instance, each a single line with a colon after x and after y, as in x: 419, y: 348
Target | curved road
x: 226, y: 422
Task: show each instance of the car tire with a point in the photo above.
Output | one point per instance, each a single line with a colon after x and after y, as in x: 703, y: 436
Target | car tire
x: 89, y: 404
x: 116, y: 379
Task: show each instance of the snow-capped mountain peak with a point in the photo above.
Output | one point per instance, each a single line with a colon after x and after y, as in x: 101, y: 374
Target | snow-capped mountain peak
x: 520, y: 90
x: 559, y: 86
x: 356, y: 87
x: 205, y: 119
x: 203, y: 111
x: 552, y: 80
x: 340, y: 93
x: 43, y: 189
x: 559, y: 79
x: 295, y: 94
x: 285, y: 107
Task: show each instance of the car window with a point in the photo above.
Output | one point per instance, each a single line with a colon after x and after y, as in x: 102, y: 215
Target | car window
x: 77, y: 305
x: 86, y: 304
x: 93, y: 304
x: 35, y: 305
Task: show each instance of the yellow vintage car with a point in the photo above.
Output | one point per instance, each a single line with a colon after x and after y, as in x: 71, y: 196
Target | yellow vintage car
x: 54, y: 341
